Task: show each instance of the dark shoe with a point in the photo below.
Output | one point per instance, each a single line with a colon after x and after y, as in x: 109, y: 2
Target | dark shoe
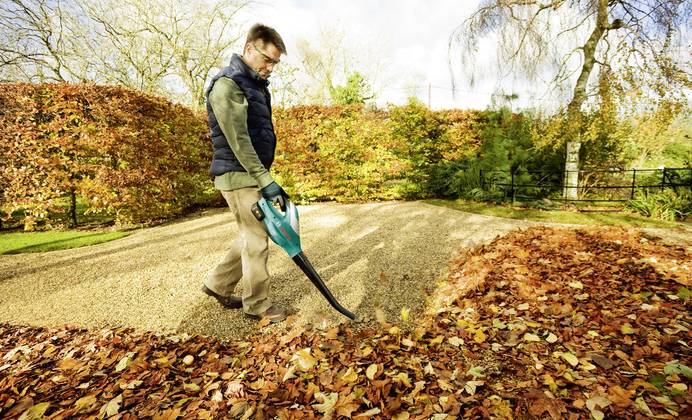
x: 231, y: 302
x: 273, y: 314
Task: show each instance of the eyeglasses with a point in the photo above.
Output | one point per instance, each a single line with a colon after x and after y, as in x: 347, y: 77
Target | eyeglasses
x: 267, y: 59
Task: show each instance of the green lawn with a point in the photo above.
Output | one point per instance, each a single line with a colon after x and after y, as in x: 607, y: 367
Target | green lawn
x: 20, y: 242
x: 557, y: 216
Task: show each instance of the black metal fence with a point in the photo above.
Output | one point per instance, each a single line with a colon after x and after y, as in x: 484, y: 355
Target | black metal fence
x: 594, y: 185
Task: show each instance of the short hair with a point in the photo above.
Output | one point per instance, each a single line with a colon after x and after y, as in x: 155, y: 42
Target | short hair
x: 266, y: 34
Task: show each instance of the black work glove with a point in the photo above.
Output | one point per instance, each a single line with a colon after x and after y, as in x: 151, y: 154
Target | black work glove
x: 274, y: 193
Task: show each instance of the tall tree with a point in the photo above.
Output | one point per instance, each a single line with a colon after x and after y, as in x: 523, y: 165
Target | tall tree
x: 38, y: 42
x: 331, y: 58
x: 638, y: 42
x: 159, y: 46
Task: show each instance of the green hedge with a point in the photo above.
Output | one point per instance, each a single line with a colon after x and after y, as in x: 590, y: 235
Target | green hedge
x: 351, y: 153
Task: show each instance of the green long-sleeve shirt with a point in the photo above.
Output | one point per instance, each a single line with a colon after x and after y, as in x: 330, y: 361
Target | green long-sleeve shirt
x: 230, y: 108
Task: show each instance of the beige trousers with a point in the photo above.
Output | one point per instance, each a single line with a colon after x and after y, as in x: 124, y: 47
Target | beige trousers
x: 247, y: 257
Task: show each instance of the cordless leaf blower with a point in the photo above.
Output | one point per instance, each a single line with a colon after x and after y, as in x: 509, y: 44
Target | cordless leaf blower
x: 283, y: 230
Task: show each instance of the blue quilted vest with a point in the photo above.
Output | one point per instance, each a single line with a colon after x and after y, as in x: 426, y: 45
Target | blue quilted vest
x: 259, y: 119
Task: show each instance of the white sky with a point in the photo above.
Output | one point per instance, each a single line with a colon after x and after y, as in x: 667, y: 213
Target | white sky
x: 412, y: 35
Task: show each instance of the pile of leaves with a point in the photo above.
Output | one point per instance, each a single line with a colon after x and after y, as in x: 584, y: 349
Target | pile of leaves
x: 542, y: 323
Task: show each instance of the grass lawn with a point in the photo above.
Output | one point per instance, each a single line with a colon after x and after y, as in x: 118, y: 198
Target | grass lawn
x: 20, y: 242
x: 558, y: 216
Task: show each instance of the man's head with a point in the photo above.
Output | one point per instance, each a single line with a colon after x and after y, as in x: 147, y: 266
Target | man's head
x: 263, y: 49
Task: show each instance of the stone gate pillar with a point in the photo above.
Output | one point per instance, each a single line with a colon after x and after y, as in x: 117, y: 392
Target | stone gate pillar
x: 572, y: 171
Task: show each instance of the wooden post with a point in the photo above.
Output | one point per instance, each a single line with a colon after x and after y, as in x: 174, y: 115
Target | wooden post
x: 634, y: 183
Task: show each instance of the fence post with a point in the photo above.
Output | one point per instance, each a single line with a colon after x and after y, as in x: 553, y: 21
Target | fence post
x: 634, y: 182
x: 512, y: 190
x: 663, y: 179
x: 480, y: 174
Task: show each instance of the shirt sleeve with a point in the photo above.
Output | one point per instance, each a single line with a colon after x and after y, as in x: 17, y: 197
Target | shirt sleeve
x: 230, y: 108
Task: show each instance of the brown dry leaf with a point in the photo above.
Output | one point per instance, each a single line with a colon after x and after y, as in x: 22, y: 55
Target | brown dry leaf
x: 554, y: 407
x: 620, y: 397
x: 346, y: 405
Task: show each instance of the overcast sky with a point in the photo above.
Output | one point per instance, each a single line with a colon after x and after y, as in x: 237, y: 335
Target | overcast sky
x: 412, y: 35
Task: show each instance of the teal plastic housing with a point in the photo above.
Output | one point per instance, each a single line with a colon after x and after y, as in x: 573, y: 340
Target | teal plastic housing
x: 282, y: 228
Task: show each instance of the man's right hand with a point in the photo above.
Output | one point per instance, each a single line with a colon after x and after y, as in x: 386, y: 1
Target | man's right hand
x: 274, y: 193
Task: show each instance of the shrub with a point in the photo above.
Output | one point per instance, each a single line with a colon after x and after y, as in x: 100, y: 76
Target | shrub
x: 665, y: 205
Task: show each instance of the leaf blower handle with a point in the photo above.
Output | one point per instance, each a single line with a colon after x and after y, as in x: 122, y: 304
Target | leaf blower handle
x: 275, y: 194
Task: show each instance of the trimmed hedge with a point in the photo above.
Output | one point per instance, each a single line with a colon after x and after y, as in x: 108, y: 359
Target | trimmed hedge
x: 350, y: 153
x: 126, y: 153
x: 141, y: 158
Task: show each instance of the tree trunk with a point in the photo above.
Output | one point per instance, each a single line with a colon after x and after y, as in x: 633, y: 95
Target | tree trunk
x: 574, y: 113
x: 73, y: 208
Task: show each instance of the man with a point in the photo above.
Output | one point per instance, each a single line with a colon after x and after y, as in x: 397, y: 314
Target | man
x: 242, y: 133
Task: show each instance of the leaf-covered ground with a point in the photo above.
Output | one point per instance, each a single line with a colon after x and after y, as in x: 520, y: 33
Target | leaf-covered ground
x: 542, y: 323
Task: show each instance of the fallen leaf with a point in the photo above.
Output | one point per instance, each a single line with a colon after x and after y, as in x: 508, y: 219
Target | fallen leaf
x: 405, y: 314
x: 641, y: 405
x: 626, y: 329
x: 304, y: 360
x: 371, y: 371
x: 370, y: 413
x: 326, y: 403
x: 569, y: 358
x: 476, y: 372
x: 112, y: 407
x: 456, y: 341
x: 85, y: 404
x: 407, y: 342
x: 551, y: 338
x: 555, y: 408
x: 620, y: 397
x: 124, y: 362
x: 499, y: 324
x: 531, y: 337
x: 595, y: 404
x: 350, y: 375
x: 402, y: 378
x: 290, y: 373
x: 35, y: 412
x: 470, y: 386
x: 235, y: 390
x: 602, y: 361
x: 187, y: 360
x: 674, y: 368
x: 191, y: 388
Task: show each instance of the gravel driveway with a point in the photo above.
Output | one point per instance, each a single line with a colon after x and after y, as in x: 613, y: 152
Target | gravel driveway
x: 376, y: 255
